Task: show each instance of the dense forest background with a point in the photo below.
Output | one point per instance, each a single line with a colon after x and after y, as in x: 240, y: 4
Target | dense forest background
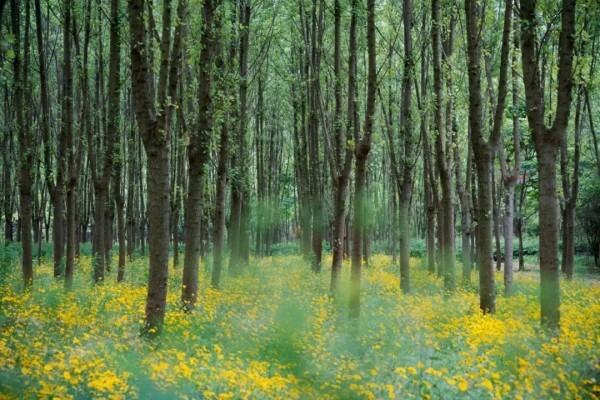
x: 314, y: 199
x: 222, y: 130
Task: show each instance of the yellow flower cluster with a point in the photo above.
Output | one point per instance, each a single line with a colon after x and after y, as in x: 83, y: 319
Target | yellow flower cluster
x: 275, y: 333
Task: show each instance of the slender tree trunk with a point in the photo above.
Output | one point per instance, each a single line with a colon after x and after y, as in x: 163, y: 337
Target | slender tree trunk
x: 198, y: 154
x: 547, y: 143
x: 343, y: 152
x: 405, y: 185
x: 193, y: 212
x: 219, y: 225
x: 445, y: 214
x: 239, y: 237
x: 570, y: 191
x: 363, y: 146
x: 404, y: 246
x: 496, y: 219
x: 154, y: 129
x: 67, y: 127
x: 519, y: 224
x: 114, y: 81
x: 24, y: 138
x: 131, y: 192
x: 509, y: 207
x: 484, y: 151
x: 509, y: 178
x: 463, y: 188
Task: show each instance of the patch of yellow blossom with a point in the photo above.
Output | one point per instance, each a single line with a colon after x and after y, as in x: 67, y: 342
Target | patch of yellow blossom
x: 275, y: 333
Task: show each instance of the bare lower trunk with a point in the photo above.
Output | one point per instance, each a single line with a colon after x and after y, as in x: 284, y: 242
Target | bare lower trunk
x: 235, y: 225
x: 487, y: 289
x: 158, y: 238
x: 108, y: 233
x: 338, y: 233
x: 317, y: 232
x: 121, y: 233
x: 71, y: 237
x: 58, y: 232
x: 448, y: 234
x: 496, y: 221
x: 357, y: 233
x: 520, y: 237
x: 220, y: 217
x: 548, y: 244
x: 465, y: 222
x: 430, y: 241
x: 98, y: 253
x: 404, y: 246
x: 394, y: 227
x: 568, y: 251
x: 193, y: 215
x: 509, y: 196
x: 26, y: 238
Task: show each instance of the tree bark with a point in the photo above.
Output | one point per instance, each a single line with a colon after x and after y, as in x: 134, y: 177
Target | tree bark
x: 343, y: 152
x: 445, y: 214
x: 484, y: 151
x: 547, y: 143
x: 509, y: 177
x: 25, y: 140
x: 67, y: 131
x: 570, y: 192
x: 198, y: 155
x: 219, y: 225
x: 363, y: 146
x: 154, y: 131
x: 239, y: 234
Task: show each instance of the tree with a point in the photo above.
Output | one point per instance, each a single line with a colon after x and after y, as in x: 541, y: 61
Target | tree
x: 198, y: 153
x: 71, y: 154
x: 239, y: 224
x: 510, y: 174
x: 153, y: 127
x: 361, y: 153
x: 24, y: 137
x: 444, y: 165
x: 547, y: 141
x: 342, y: 147
x: 484, y: 151
x: 570, y: 186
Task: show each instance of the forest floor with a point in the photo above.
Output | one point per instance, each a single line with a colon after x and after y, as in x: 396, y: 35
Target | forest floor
x: 275, y: 333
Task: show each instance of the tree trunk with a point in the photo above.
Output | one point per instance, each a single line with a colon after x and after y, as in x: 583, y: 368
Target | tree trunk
x: 343, y: 152
x: 445, y: 214
x: 487, y: 289
x: 220, y: 212
x: 509, y: 195
x: 198, y: 155
x: 496, y: 219
x: 484, y: 151
x: 240, y: 202
x: 363, y: 146
x: 547, y: 143
x: 404, y: 246
x: 158, y: 236
x: 548, y: 246
x: 67, y: 133
x: 24, y: 137
x: 570, y: 191
x: 193, y: 213
x: 131, y: 179
x: 154, y: 130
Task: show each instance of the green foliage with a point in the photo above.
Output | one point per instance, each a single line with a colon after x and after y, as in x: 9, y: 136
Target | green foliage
x: 285, y: 248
